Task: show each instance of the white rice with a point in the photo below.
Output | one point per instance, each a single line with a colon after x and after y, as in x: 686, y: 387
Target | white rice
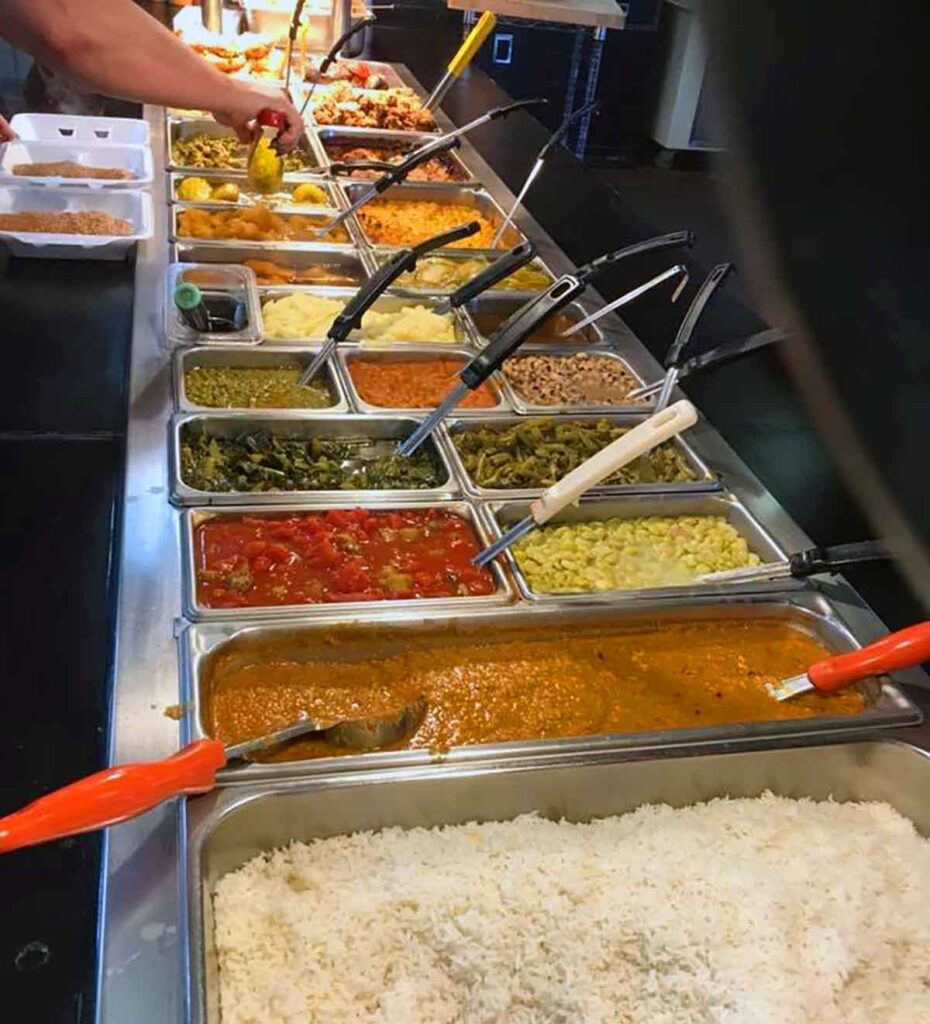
x: 766, y: 911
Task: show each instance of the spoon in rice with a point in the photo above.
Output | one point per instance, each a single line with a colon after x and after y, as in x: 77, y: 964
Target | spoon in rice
x: 125, y: 791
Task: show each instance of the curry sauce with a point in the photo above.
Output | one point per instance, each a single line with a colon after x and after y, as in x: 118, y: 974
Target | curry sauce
x: 526, y: 685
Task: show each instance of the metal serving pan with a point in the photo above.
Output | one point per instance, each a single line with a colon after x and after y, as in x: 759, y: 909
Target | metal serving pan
x: 386, y: 71
x: 187, y: 359
x: 337, y: 633
x: 249, y: 197
x: 382, y: 254
x: 503, y: 514
x: 183, y: 128
x: 229, y: 827
x: 505, y: 305
x: 705, y: 481
x: 332, y: 140
x: 351, y: 263
x: 472, y: 199
x: 351, y: 229
x: 347, y: 355
x: 562, y: 351
x: 384, y: 304
x: 229, y: 424
x: 358, y: 610
x: 310, y: 116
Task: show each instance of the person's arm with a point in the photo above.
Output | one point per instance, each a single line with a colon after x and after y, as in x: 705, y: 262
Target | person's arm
x: 6, y: 132
x: 113, y: 47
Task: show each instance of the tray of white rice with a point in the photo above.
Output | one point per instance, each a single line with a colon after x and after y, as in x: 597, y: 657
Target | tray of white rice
x: 769, y: 887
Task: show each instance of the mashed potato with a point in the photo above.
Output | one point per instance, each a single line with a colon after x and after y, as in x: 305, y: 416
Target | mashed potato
x: 300, y: 315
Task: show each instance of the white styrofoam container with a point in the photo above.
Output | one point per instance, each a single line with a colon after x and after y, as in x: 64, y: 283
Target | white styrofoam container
x: 134, y: 206
x: 135, y: 159
x: 72, y: 128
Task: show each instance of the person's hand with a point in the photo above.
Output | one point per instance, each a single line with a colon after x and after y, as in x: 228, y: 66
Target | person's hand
x: 244, y: 103
x: 6, y: 132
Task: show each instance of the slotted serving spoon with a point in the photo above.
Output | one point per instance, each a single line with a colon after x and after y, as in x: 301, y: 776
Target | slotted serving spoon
x: 125, y: 791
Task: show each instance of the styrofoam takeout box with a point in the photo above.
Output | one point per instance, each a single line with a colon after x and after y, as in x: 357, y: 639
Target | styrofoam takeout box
x: 72, y: 128
x: 134, y: 206
x: 135, y: 159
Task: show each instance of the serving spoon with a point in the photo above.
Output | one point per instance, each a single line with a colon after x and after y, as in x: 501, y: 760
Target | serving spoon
x: 125, y: 791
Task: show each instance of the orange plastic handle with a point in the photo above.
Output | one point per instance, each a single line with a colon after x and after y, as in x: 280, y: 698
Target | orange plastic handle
x: 904, y: 649
x: 112, y: 795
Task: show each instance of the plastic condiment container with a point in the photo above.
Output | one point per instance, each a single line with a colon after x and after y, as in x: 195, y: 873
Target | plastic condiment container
x: 220, y: 285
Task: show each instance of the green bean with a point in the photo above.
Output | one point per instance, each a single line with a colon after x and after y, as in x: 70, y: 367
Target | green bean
x: 537, y: 453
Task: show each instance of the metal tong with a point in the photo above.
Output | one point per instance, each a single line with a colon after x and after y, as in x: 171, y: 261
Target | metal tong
x: 711, y: 283
x: 658, y: 428
x: 500, y: 268
x: 511, y: 334
x: 333, y: 52
x: 715, y: 357
x: 126, y: 791
x: 351, y: 316
x: 679, y: 268
x: 804, y: 563
x: 462, y: 58
x: 903, y: 649
x: 541, y: 156
x: 291, y: 37
x: 441, y: 145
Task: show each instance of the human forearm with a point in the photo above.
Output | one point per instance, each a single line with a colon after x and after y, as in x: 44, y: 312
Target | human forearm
x: 115, y: 48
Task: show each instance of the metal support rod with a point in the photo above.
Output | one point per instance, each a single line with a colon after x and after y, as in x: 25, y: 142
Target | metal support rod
x: 211, y: 14
x: 590, y: 89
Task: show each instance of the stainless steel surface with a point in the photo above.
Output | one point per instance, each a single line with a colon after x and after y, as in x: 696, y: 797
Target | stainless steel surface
x: 142, y: 930
x: 249, y: 197
x: 195, y: 611
x: 231, y: 424
x: 560, y: 352
x: 228, y: 828
x: 387, y: 303
x: 338, y: 634
x: 468, y: 198
x: 332, y: 139
x: 351, y: 354
x: 184, y: 128
x: 505, y: 305
x: 503, y: 514
x: 267, y: 355
x: 705, y: 480
x: 346, y: 262
x: 318, y: 245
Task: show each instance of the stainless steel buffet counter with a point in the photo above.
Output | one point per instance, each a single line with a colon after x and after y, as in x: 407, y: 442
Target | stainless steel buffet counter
x: 147, y: 898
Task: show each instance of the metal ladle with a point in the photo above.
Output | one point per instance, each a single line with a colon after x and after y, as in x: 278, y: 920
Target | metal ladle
x: 125, y: 791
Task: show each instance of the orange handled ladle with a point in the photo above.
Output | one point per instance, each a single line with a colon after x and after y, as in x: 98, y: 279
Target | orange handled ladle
x: 125, y: 791
x: 903, y: 649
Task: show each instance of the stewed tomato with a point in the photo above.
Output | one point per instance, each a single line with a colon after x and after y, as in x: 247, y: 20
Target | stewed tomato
x: 350, y: 554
